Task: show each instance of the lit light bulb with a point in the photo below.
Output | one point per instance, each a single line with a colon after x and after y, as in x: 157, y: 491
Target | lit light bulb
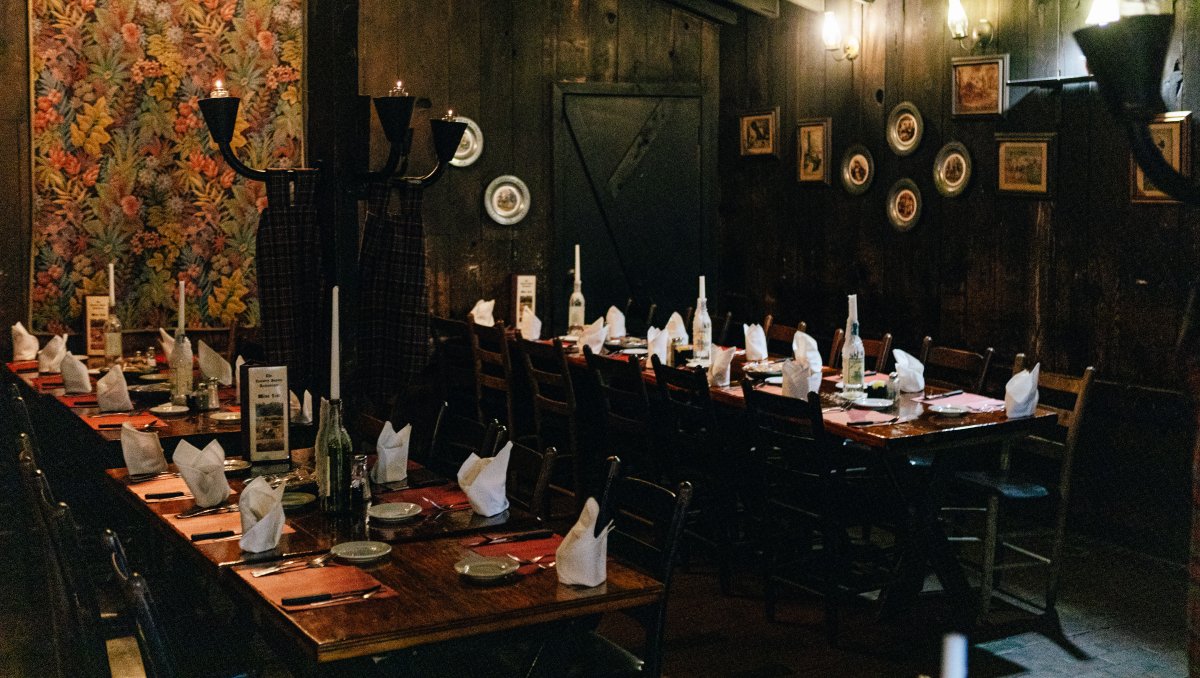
x: 956, y: 19
x: 1103, y: 12
x: 831, y: 33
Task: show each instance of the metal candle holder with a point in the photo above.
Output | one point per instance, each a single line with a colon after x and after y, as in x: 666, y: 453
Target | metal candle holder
x: 220, y: 114
x: 395, y: 114
x: 1127, y: 58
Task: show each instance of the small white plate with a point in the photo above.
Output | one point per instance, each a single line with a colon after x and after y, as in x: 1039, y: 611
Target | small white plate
x: 506, y: 200
x: 874, y: 403
x: 852, y: 396
x: 774, y: 381
x: 361, y: 551
x: 568, y: 338
x: 394, y: 513
x: 155, y: 376
x: 95, y: 371
x: 486, y: 569
x: 635, y: 351
x: 226, y: 416
x: 169, y: 409
x: 471, y: 146
x: 236, y: 465
x: 949, y: 410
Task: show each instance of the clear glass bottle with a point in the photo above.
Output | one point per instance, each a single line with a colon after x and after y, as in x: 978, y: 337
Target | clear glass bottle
x: 853, y: 354
x: 575, y: 311
x: 701, y: 331
x: 334, y: 455
x: 112, y: 337
x: 181, y: 369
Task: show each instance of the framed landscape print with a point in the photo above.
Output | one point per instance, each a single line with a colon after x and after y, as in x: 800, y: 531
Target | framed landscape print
x: 759, y: 132
x: 1172, y: 134
x: 814, y: 146
x: 1026, y: 164
x: 979, y: 86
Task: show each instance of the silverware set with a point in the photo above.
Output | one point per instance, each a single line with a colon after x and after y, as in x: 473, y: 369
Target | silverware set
x: 536, y: 560
x: 196, y: 511
x: 460, y: 506
x: 147, y: 477
x: 292, y: 565
x: 319, y: 599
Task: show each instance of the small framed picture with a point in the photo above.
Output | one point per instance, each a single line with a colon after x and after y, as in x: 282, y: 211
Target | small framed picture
x: 952, y: 169
x: 905, y: 127
x: 96, y: 317
x: 814, y: 146
x: 858, y: 169
x: 1026, y: 164
x: 979, y: 86
x: 524, y: 296
x: 759, y: 132
x: 904, y: 205
x: 1172, y: 133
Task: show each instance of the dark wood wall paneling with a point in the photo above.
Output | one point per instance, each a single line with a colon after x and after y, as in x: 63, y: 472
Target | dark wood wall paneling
x: 1084, y: 278
x: 14, y: 173
x: 495, y: 62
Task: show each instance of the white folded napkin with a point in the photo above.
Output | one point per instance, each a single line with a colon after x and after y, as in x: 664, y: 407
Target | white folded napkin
x: 804, y: 369
x: 594, y: 335
x: 756, y: 342
x: 676, y: 329
x: 142, y: 451
x: 262, y: 515
x: 615, y: 320
x: 25, y: 345
x: 301, y: 413
x: 167, y: 342
x: 213, y: 365
x: 51, y: 356
x: 203, y: 471
x: 582, y: 557
x: 237, y: 379
x: 718, y: 366
x: 483, y: 312
x: 910, y: 373
x: 75, y: 375
x: 657, y: 343
x: 1021, y: 393
x: 391, y: 466
x: 530, y: 326
x: 484, y: 482
x: 112, y: 393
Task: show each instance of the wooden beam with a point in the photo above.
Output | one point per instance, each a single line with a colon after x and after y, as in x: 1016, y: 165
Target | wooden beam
x: 709, y: 10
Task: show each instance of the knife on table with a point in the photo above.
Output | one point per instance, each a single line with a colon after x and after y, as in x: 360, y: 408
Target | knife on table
x: 327, y: 597
x: 197, y: 511
x: 864, y: 424
x: 205, y: 536
x: 509, y: 538
x: 163, y: 495
x: 947, y: 394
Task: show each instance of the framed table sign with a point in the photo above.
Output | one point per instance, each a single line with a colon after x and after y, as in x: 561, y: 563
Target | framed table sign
x: 95, y: 317
x: 265, y: 410
x: 524, y: 296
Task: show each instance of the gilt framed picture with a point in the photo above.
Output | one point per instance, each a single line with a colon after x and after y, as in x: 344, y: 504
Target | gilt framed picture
x: 1026, y: 164
x: 979, y: 86
x: 814, y: 147
x: 759, y: 132
x: 1172, y: 135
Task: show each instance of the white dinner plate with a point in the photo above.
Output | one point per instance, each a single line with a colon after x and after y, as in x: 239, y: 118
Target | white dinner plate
x: 236, y: 465
x: 155, y: 376
x: 168, y: 409
x: 361, y: 551
x: 486, y: 569
x: 568, y: 338
x: 226, y: 416
x: 635, y: 351
x: 949, y: 410
x: 774, y: 381
x: 395, y: 512
x: 506, y: 200
x: 874, y: 403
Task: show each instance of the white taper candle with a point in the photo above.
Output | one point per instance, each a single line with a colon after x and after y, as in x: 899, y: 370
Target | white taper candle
x: 702, y: 294
x: 181, y: 305
x: 112, y: 287
x: 577, y: 278
x: 954, y: 656
x: 335, y: 389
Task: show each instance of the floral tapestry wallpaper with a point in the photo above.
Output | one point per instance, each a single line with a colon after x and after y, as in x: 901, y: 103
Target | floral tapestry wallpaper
x: 124, y: 168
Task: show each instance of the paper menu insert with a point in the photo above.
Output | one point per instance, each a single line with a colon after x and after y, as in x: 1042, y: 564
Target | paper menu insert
x: 265, y: 412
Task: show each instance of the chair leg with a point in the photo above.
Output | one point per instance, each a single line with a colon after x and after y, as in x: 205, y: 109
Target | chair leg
x: 1053, y: 576
x: 988, y: 561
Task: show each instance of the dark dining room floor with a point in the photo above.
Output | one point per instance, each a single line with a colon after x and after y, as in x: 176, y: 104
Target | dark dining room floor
x: 1122, y: 615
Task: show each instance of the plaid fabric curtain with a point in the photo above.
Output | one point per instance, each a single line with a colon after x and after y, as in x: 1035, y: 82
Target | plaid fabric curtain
x: 290, y: 278
x: 393, y: 314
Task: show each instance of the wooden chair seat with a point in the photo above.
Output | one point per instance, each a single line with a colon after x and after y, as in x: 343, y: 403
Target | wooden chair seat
x: 1003, y: 484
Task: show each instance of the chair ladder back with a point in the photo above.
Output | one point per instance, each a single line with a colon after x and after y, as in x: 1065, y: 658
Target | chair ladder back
x: 529, y: 473
x: 158, y: 657
x: 91, y: 655
x: 968, y: 369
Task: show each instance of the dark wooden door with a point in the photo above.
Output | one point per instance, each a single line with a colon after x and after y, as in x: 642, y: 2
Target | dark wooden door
x: 630, y: 189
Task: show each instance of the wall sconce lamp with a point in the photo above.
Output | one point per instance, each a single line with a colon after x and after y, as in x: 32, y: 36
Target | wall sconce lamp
x: 831, y: 35
x: 220, y: 114
x: 395, y: 113
x: 956, y: 20
x: 1127, y: 55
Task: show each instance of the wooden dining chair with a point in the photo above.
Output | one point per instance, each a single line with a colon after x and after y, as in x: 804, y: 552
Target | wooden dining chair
x: 639, y: 315
x: 621, y: 391
x: 158, y: 656
x: 695, y: 451
x: 721, y: 325
x: 529, y: 473
x: 19, y: 421
x: 780, y: 336
x: 1019, y: 479
x: 493, y: 373
x: 878, y: 351
x: 459, y: 438
x: 813, y: 508
x: 455, y: 365
x: 954, y: 368
x: 555, y: 414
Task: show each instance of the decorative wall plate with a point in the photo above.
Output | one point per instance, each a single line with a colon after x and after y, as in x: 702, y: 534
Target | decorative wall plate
x: 904, y: 204
x: 952, y: 169
x: 506, y: 200
x: 858, y: 169
x: 904, y: 128
x: 471, y: 146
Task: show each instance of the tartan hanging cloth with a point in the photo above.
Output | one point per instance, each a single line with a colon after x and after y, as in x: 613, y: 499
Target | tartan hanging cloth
x: 290, y: 281
x: 393, y: 314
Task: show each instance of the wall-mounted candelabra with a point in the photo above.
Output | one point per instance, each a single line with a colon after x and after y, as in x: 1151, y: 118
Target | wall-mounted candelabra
x: 395, y: 114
